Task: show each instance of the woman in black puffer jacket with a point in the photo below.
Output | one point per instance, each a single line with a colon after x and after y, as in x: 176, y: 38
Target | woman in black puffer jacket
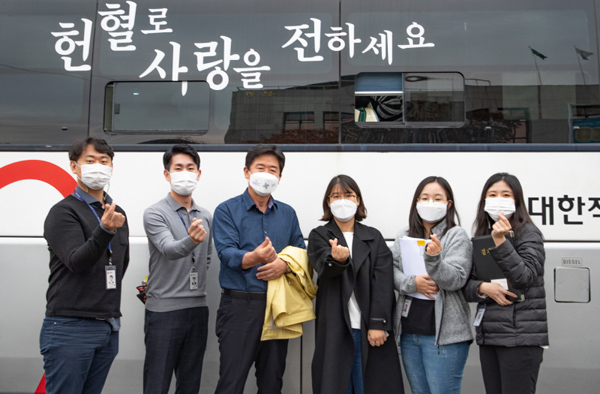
x: 511, y: 334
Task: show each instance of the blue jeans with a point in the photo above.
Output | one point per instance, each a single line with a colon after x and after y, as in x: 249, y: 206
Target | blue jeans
x: 356, y: 379
x: 432, y: 369
x: 175, y: 342
x: 77, y: 354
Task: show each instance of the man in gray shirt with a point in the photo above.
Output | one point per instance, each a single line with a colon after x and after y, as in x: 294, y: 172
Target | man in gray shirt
x: 179, y: 239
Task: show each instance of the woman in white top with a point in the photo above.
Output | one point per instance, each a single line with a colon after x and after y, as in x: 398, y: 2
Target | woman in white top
x: 355, y: 298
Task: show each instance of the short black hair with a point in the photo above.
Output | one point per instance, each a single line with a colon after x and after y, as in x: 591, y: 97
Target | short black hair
x: 260, y: 150
x: 99, y: 144
x: 180, y: 149
x: 348, y: 185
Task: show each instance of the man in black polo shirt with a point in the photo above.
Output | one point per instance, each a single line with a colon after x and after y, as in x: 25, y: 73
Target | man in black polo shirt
x: 87, y: 237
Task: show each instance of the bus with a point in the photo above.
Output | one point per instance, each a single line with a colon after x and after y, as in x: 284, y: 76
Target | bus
x: 386, y: 91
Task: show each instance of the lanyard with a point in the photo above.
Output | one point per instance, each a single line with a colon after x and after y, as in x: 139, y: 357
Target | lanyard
x: 186, y: 229
x: 99, y: 221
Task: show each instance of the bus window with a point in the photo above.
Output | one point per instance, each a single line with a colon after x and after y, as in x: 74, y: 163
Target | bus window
x: 40, y: 101
x: 294, y: 115
x: 409, y: 100
x: 157, y: 107
x: 585, y: 123
x: 434, y: 99
x: 378, y: 98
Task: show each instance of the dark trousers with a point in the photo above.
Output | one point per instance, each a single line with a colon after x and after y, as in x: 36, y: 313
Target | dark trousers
x: 175, y: 342
x: 77, y: 354
x: 239, y: 327
x: 510, y: 370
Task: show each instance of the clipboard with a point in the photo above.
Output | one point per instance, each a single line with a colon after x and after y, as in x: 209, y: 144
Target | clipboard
x: 413, y: 260
x: 487, y: 268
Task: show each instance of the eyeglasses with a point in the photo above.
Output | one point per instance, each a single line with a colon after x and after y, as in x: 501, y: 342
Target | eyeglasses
x: 338, y: 196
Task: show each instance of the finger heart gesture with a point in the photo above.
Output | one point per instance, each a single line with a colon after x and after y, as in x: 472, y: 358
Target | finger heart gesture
x: 338, y: 252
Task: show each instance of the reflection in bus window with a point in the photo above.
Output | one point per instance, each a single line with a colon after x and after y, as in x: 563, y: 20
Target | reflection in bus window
x: 157, y: 106
x: 299, y: 121
x: 434, y: 98
x: 585, y: 123
x: 378, y: 98
x: 497, y: 72
x: 410, y: 99
x: 291, y: 115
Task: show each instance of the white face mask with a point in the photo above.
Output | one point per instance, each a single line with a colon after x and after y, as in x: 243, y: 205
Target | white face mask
x: 95, y: 176
x: 183, y: 182
x: 343, y: 210
x: 493, y: 206
x: 263, y: 183
x: 432, y: 211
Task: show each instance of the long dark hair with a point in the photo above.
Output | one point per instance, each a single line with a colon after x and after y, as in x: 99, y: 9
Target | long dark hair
x: 483, y: 222
x: 348, y: 185
x: 415, y: 223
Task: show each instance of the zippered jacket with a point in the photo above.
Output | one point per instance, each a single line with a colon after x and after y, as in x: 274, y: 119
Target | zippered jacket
x: 450, y: 270
x: 522, y: 323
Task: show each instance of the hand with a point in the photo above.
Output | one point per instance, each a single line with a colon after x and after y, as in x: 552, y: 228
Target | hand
x: 265, y: 252
x: 426, y: 286
x: 111, y: 219
x: 500, y: 228
x: 272, y: 270
x: 434, y: 246
x: 376, y: 337
x: 196, y: 231
x: 338, y: 252
x: 496, y: 292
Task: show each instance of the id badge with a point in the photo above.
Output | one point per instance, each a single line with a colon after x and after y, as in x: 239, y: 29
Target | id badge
x: 406, y: 306
x: 193, y: 280
x: 503, y: 282
x: 111, y: 277
x: 479, y: 316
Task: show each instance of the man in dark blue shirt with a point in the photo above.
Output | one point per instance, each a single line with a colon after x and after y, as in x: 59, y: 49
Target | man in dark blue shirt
x: 249, y: 230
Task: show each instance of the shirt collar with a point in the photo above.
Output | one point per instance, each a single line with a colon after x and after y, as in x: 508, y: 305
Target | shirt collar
x: 175, y: 206
x: 249, y: 203
x: 88, y: 199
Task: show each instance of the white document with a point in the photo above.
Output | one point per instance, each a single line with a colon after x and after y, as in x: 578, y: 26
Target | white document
x: 503, y: 282
x: 413, y: 260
